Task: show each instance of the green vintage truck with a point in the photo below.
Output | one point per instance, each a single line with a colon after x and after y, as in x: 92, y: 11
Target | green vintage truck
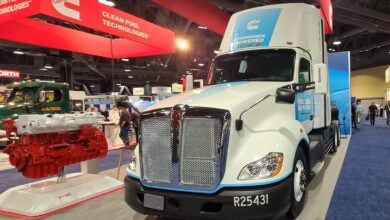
x: 36, y: 97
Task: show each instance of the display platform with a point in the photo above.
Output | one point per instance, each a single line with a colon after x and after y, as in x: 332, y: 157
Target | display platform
x: 46, y: 197
x: 4, y: 162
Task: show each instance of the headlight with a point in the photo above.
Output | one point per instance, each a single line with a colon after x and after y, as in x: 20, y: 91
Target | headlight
x: 133, y: 164
x: 266, y: 167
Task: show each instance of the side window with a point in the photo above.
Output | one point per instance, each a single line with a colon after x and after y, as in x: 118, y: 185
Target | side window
x: 304, y: 71
x: 53, y: 95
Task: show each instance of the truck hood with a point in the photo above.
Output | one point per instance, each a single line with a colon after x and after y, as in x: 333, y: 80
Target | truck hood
x: 8, y: 111
x: 222, y: 96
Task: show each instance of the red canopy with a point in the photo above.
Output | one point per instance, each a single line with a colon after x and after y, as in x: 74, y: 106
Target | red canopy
x: 129, y: 36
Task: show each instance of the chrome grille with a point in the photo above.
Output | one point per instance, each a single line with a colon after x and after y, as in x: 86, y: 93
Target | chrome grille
x: 157, y: 149
x: 200, y: 141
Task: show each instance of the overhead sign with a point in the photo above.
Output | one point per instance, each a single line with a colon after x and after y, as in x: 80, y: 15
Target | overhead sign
x: 9, y: 73
x: 326, y: 11
x: 133, y: 36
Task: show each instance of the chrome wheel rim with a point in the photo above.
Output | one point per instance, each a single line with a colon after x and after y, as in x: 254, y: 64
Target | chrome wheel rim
x: 299, y: 180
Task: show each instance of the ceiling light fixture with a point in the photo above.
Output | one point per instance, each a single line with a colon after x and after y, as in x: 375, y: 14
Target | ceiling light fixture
x: 92, y: 86
x: 182, y: 44
x: 106, y: 2
x: 18, y: 52
x: 127, y: 70
x: 43, y: 69
x: 200, y: 64
x: 336, y: 42
x: 48, y: 66
x: 125, y: 60
x: 202, y: 27
x: 130, y: 77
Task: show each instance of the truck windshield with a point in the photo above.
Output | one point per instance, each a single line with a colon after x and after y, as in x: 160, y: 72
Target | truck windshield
x: 22, y: 95
x: 254, y: 65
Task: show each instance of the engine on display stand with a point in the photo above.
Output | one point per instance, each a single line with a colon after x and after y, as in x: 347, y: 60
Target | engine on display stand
x: 41, y: 146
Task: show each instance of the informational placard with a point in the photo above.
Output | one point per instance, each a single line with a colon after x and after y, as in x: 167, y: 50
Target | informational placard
x: 138, y: 91
x: 9, y: 73
x: 161, y: 90
x: 177, y: 88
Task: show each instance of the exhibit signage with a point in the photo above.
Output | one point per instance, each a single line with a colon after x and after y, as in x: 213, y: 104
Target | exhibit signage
x: 177, y: 88
x: 9, y: 74
x: 138, y: 91
x: 161, y: 90
x: 254, y: 29
x: 131, y: 36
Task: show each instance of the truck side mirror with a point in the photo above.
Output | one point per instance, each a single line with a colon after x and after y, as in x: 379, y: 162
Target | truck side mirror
x: 321, y: 78
x: 42, y: 97
x: 285, y: 96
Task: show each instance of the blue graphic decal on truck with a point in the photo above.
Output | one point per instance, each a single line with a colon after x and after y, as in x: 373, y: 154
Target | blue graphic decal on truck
x: 254, y: 29
x: 304, y: 105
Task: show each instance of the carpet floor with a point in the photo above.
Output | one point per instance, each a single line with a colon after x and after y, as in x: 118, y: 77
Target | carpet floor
x: 363, y: 188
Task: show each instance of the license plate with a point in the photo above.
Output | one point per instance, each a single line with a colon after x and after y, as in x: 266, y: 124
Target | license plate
x: 251, y: 200
x: 154, y: 201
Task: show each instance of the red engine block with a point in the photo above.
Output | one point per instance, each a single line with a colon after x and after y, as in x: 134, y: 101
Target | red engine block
x: 41, y: 155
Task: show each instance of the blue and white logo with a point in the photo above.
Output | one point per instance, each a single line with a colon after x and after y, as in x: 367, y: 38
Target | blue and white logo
x: 254, y: 28
x: 253, y: 25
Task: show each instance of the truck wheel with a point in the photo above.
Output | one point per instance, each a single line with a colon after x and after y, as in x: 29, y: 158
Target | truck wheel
x: 298, y: 191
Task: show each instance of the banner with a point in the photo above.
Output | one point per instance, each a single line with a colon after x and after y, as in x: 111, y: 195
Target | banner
x: 339, y: 82
x: 9, y: 74
x: 130, y: 36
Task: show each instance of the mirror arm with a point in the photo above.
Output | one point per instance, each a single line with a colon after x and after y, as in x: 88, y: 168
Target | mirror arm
x: 239, y: 122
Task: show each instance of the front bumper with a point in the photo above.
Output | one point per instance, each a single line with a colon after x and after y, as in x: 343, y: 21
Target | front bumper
x: 220, y: 205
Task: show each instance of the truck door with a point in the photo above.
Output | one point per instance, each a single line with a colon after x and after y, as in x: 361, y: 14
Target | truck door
x: 51, y: 100
x: 304, y: 103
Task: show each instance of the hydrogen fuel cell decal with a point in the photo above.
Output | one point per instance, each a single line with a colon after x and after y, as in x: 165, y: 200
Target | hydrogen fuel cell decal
x: 304, y: 105
x: 254, y: 29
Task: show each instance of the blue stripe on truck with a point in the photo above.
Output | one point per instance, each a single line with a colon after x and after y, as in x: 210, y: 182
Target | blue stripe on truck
x: 221, y: 186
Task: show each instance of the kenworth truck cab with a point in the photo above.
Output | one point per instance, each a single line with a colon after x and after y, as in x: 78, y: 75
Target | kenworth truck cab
x: 34, y: 97
x: 246, y: 145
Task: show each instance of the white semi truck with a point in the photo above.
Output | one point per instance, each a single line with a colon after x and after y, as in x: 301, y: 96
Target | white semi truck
x: 246, y: 145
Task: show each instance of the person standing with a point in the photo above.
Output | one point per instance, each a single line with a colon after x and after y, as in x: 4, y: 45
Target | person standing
x: 353, y: 116
x: 335, y: 114
x: 372, y: 109
x: 124, y: 123
x: 387, y: 111
x: 359, y: 112
x: 114, y: 116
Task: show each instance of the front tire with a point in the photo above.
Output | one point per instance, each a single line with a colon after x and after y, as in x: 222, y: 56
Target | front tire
x: 298, y: 192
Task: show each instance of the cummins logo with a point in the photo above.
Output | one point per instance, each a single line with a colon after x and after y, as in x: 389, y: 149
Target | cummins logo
x: 253, y: 25
x: 60, y: 6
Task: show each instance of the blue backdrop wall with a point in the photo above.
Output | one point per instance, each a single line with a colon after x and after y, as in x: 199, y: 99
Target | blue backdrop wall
x: 339, y: 80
